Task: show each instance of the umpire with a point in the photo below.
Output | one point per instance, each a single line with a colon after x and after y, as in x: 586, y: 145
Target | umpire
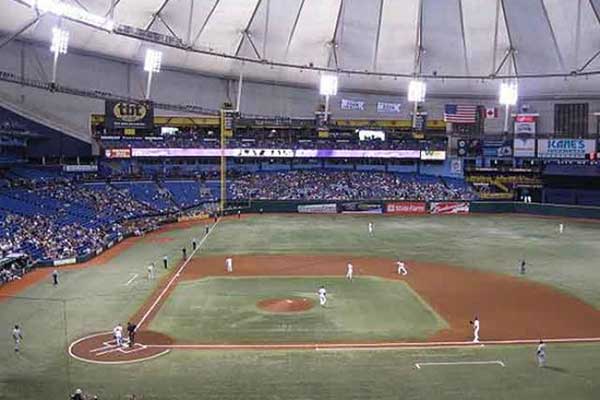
x: 131, y: 333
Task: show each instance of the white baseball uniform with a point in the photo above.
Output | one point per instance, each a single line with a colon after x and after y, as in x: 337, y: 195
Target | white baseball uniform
x: 401, y: 268
x: 561, y: 228
x: 17, y: 337
x: 541, y: 355
x: 229, y: 264
x: 370, y: 228
x: 118, y: 335
x: 322, y: 296
x: 151, y: 271
x: 476, y: 331
x: 349, y: 271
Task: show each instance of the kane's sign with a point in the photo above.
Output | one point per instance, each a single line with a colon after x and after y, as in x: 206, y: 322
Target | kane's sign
x: 565, y: 148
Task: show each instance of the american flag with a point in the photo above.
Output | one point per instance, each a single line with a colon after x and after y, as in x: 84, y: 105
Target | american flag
x: 460, y: 113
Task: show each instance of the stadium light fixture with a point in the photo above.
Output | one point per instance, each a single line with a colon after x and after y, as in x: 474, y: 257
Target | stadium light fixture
x: 416, y: 91
x: 328, y: 88
x: 58, y: 46
x: 72, y: 12
x: 509, y: 93
x: 152, y: 65
x: 60, y: 41
x: 329, y: 85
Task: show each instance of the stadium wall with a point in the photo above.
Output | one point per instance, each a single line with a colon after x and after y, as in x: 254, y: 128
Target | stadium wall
x: 87, y: 71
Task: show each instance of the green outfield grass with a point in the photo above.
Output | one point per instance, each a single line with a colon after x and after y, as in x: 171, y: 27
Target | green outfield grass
x: 94, y: 299
x: 223, y: 310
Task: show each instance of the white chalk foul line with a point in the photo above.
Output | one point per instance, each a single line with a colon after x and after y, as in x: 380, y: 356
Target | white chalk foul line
x: 175, y: 276
x: 444, y: 363
x: 130, y: 281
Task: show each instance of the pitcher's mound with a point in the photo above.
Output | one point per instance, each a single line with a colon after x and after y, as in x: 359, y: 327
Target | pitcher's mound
x: 296, y: 304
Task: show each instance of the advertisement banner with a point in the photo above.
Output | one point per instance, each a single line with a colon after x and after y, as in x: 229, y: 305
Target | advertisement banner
x: 449, y: 207
x: 361, y: 208
x: 117, y: 153
x: 318, y: 208
x: 524, y: 146
x: 525, y: 124
x: 497, y: 148
x: 129, y: 115
x: 433, y: 155
x: 65, y: 261
x: 265, y: 153
x: 406, y: 207
x: 80, y: 168
x: 383, y: 107
x: 348, y: 104
x: 565, y: 148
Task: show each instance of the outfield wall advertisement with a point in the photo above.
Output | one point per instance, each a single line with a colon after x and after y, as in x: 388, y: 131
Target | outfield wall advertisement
x: 449, y: 207
x: 318, y: 208
x: 407, y: 207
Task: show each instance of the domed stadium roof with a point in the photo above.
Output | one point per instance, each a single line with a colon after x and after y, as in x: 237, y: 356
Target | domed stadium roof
x: 375, y: 45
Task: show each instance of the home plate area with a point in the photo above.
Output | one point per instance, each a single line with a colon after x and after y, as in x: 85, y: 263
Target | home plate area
x: 101, y: 348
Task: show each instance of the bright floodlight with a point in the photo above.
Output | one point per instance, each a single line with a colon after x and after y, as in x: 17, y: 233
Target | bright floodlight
x: 153, y: 60
x: 60, y: 41
x: 329, y: 85
x: 74, y: 12
x: 417, y: 91
x: 509, y: 93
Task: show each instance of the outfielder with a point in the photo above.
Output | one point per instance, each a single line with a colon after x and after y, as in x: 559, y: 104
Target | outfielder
x: 401, y: 268
x: 229, y: 264
x: 541, y: 354
x: 118, y: 335
x: 151, y: 271
x: 17, y: 336
x: 523, y: 267
x: 322, y: 296
x: 349, y: 271
x: 561, y: 228
x: 475, y: 324
x: 370, y: 229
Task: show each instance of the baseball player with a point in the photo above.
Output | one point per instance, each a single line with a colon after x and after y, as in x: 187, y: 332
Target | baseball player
x: 349, y: 271
x: 17, y: 336
x: 370, y: 229
x: 151, y: 271
x: 523, y: 267
x: 55, y: 277
x: 194, y: 244
x: 401, y: 268
x: 475, y: 324
x: 229, y: 264
x: 131, y: 333
x: 561, y: 228
x: 322, y: 296
x: 165, y: 262
x: 118, y: 335
x: 541, y: 354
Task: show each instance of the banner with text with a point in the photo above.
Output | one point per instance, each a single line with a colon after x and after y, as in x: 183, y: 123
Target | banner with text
x: 318, y: 208
x: 449, y: 207
x: 389, y: 108
x: 407, y: 207
x: 565, y: 148
x: 348, y: 104
x: 524, y: 146
x: 129, y: 115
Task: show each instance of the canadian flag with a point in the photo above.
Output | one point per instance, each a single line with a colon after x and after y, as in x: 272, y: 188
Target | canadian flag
x: 491, y: 112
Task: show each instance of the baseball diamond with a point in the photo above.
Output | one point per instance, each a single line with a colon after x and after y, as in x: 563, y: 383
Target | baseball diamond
x: 299, y: 199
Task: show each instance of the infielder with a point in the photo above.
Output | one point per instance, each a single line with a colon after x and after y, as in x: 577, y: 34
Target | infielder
x: 475, y: 324
x: 229, y: 264
x: 370, y: 229
x: 17, y: 336
x: 166, y: 262
x: 349, y: 271
x: 118, y: 335
x: 322, y: 296
x: 401, y: 268
x: 151, y: 271
x: 541, y: 354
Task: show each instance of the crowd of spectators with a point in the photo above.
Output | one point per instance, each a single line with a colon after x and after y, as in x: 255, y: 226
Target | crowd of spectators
x: 343, y: 185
